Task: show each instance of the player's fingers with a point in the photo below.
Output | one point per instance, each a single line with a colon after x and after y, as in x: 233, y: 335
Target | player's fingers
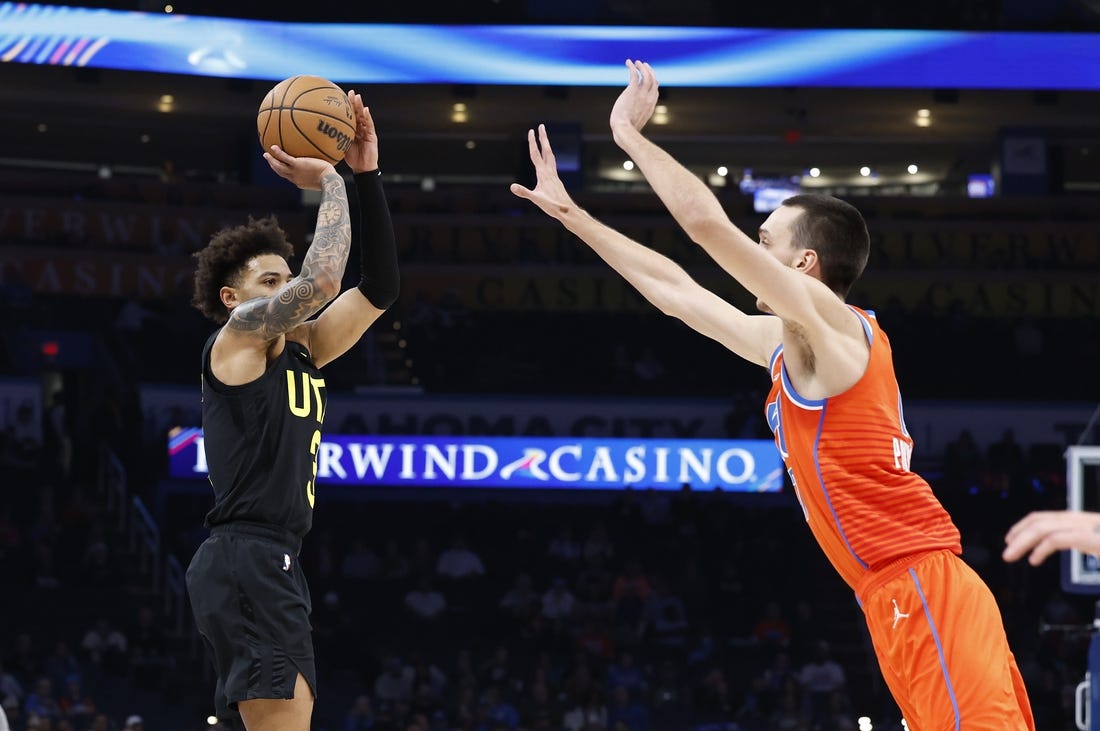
x: 1016, y: 548
x: 1024, y: 524
x: 533, y: 147
x: 521, y: 191
x: 279, y: 154
x: 1046, y: 547
x: 650, y: 76
x: 544, y: 140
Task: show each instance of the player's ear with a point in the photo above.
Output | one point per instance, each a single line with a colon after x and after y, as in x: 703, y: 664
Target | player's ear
x: 228, y: 296
x: 806, y: 260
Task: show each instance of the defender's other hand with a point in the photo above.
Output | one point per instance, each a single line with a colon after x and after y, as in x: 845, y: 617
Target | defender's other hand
x: 362, y: 156
x: 305, y: 172
x: 549, y: 193
x: 635, y: 105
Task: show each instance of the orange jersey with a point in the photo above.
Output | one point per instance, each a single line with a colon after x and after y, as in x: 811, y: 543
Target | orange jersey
x: 848, y: 456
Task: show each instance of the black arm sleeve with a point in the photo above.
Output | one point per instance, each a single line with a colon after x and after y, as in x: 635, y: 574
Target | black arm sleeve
x: 379, y: 280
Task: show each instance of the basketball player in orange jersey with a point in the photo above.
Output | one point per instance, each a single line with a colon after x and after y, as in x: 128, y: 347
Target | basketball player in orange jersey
x: 836, y: 413
x: 1043, y: 532
x: 263, y: 405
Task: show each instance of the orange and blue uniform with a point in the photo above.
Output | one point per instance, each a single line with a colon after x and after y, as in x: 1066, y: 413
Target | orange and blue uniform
x: 935, y: 626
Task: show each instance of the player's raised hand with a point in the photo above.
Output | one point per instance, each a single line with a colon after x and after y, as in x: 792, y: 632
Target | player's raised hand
x: 635, y: 105
x: 305, y: 172
x: 1043, y: 532
x: 549, y: 193
x: 362, y: 155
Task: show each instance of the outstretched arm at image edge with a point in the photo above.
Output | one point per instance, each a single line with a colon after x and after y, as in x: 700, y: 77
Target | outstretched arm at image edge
x: 1041, y: 533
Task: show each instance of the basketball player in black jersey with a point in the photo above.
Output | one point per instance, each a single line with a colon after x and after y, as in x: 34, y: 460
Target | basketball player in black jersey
x: 263, y: 404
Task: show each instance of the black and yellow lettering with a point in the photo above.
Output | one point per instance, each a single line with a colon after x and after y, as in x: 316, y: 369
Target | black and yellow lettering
x: 310, y: 386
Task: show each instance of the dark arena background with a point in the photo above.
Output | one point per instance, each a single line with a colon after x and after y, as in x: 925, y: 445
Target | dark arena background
x: 444, y: 601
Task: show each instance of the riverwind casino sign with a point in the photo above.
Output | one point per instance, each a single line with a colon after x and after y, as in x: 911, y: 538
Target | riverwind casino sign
x: 525, y: 462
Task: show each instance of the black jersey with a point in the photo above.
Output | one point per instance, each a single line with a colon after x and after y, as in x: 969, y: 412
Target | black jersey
x: 261, y: 441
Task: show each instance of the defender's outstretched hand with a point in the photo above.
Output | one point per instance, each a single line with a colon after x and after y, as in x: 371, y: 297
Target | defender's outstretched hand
x: 1044, y: 532
x: 362, y: 155
x: 549, y: 193
x: 635, y: 105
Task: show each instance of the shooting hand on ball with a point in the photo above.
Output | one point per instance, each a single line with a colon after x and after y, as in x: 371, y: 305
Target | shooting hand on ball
x: 362, y: 154
x: 305, y: 172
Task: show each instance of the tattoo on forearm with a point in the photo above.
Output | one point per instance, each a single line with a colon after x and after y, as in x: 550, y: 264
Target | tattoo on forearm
x: 325, y: 260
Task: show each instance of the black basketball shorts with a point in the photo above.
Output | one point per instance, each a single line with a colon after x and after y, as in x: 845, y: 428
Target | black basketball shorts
x: 251, y: 604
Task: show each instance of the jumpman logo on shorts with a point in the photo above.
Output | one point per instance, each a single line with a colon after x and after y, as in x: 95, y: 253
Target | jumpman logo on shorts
x: 898, y: 614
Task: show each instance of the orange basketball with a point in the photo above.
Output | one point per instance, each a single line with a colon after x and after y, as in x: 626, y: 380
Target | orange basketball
x: 307, y: 116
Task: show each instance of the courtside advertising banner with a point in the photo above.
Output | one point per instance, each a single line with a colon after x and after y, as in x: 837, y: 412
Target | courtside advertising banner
x: 525, y: 462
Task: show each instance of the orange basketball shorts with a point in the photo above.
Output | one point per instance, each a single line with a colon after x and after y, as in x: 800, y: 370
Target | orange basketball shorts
x: 941, y: 646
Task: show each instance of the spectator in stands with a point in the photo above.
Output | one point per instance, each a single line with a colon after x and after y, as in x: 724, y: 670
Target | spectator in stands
x: 425, y: 602
x: 394, y: 683
x: 42, y: 702
x: 558, y: 602
x: 521, y: 601
x: 539, y: 709
x: 394, y: 564
x: 624, y: 673
x: 820, y: 677
x: 598, y: 543
x: 630, y: 593
x: 421, y: 562
x: 149, y: 656
x: 23, y: 660
x: 360, y: 563
x: 459, y: 562
x: 76, y: 704
x: 9, y: 686
x: 664, y: 618
x: 772, y: 629
x: 962, y: 462
x: 498, y: 670
x: 500, y: 712
x: 105, y: 646
x: 61, y: 664
x: 589, y: 714
x: 361, y: 715
x: 564, y: 547
x: 1004, y: 463
x: 627, y: 710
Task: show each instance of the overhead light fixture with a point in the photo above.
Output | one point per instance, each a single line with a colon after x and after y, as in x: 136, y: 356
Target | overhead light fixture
x: 924, y: 113
x: 723, y: 170
x: 923, y: 121
x: 628, y: 165
x: 865, y: 171
x: 815, y: 172
x: 913, y: 169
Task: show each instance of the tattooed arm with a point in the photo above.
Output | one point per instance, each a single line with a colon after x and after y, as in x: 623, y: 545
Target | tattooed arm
x: 274, y: 304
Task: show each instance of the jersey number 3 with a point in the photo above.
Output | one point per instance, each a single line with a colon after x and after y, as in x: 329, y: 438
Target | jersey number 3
x: 311, y: 485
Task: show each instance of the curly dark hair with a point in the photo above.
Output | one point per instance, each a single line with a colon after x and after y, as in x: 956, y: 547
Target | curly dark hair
x: 221, y: 262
